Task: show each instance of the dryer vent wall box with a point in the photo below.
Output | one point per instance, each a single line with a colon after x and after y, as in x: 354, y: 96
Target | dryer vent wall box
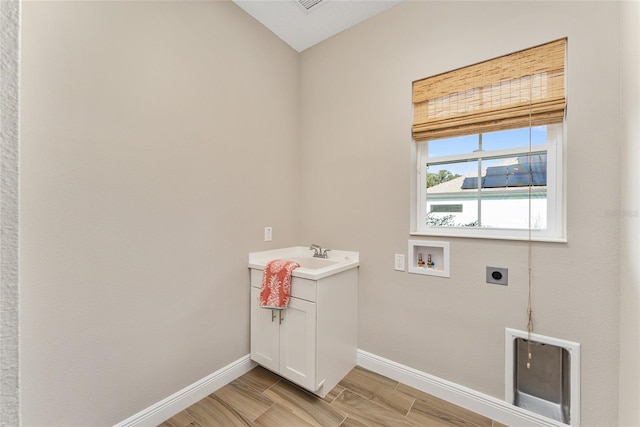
x: 498, y: 275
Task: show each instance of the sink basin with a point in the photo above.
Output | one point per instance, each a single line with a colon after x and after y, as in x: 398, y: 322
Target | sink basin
x: 310, y: 267
x: 306, y: 262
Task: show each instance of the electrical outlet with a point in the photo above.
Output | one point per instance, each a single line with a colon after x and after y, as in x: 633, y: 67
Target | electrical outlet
x: 399, y: 262
x: 268, y: 234
x: 498, y: 275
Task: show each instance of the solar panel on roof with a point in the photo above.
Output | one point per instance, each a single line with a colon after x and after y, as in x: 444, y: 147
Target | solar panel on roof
x: 496, y: 170
x: 539, y: 167
x: 519, y: 168
x: 470, y: 182
x: 495, y: 181
x: 540, y: 178
x: 519, y: 180
x: 530, y: 170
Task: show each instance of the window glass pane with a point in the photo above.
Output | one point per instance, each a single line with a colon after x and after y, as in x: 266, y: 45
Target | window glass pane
x: 452, y: 194
x: 488, y: 189
x: 505, y: 191
x: 514, y: 138
x: 468, y: 217
x: 452, y: 146
x: 453, y: 197
x: 441, y: 173
x: 510, y: 208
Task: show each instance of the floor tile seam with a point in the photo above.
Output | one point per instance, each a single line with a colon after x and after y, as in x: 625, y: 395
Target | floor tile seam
x: 448, y: 414
x: 377, y: 394
x: 262, y: 413
x: 386, y: 408
x: 405, y: 394
x: 286, y: 408
x: 193, y: 421
x: 332, y: 400
x: 356, y: 393
x: 310, y: 421
x: 380, y: 380
x: 337, y: 409
x: 240, y: 413
x: 456, y: 416
x: 248, y: 384
x: 373, y: 391
x: 410, y: 408
x: 270, y: 387
x: 258, y: 392
x: 439, y: 409
x: 189, y: 412
x: 273, y: 403
x: 306, y: 409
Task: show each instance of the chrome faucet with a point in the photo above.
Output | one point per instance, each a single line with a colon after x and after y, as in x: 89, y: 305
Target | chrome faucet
x: 318, y: 252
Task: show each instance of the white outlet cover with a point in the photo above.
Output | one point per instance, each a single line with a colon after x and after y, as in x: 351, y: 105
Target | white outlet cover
x: 399, y: 262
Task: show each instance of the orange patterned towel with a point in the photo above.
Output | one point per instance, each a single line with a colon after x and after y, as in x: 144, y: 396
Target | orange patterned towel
x: 276, y: 284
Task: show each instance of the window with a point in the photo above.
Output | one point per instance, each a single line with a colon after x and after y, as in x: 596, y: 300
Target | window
x: 489, y: 185
x: 490, y: 143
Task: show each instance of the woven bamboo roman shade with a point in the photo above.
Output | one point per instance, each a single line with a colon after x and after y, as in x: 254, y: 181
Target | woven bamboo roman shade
x: 525, y: 88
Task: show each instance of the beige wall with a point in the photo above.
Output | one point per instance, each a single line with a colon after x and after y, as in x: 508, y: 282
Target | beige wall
x: 154, y: 135
x: 158, y: 139
x: 356, y: 152
x: 630, y: 216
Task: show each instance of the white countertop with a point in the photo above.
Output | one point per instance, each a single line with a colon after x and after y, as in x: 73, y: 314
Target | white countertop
x: 337, y: 261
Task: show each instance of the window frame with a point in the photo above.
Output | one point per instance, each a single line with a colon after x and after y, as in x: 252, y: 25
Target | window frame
x: 556, y: 202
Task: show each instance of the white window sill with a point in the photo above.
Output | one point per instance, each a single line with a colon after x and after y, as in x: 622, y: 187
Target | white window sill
x: 501, y: 235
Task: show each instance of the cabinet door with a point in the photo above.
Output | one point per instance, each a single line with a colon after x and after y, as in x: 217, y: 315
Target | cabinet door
x: 298, y: 343
x: 265, y: 338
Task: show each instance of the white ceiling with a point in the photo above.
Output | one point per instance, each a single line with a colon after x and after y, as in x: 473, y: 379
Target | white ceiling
x: 300, y: 28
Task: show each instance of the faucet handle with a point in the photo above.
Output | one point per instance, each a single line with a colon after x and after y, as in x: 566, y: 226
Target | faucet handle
x: 324, y: 254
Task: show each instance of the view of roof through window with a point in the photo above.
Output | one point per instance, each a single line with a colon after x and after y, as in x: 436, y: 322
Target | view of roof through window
x: 529, y: 170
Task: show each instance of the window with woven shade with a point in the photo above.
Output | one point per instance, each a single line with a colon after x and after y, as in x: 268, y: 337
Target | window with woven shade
x: 517, y: 90
x: 490, y: 141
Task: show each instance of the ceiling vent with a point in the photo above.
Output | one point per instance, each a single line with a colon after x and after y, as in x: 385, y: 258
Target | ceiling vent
x: 309, y: 5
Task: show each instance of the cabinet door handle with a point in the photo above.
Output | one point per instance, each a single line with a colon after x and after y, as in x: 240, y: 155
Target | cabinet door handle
x: 273, y: 315
x: 281, y: 316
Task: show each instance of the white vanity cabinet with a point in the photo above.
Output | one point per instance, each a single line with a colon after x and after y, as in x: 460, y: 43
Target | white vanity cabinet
x: 313, y: 341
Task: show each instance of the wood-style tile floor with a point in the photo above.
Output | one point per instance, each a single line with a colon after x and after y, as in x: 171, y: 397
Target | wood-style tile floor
x: 362, y: 398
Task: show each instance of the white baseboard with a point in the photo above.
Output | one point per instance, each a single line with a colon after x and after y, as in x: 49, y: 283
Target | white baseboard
x: 166, y: 408
x: 467, y: 398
